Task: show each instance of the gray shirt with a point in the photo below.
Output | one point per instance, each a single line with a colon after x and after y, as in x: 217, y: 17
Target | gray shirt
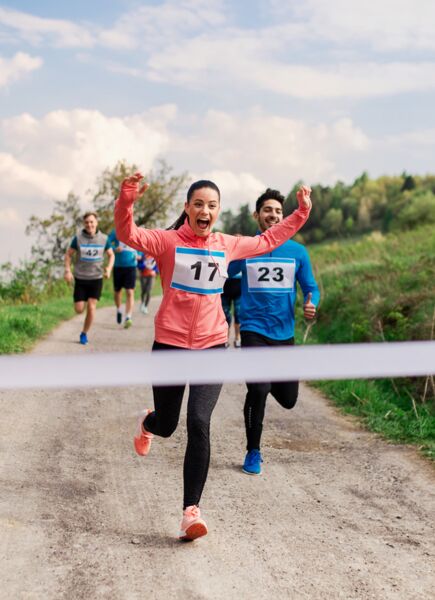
x: 90, y: 254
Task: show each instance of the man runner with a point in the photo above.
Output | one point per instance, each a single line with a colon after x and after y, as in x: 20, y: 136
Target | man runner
x: 89, y: 246
x: 124, y: 277
x: 267, y: 315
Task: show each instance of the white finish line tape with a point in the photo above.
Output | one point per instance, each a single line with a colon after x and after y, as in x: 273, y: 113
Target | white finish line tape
x: 337, y: 361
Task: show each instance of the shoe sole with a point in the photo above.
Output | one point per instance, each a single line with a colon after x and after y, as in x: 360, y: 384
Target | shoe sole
x: 193, y: 532
x: 250, y: 472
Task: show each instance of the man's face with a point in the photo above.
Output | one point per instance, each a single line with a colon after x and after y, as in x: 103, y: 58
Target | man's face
x: 270, y: 213
x: 91, y: 225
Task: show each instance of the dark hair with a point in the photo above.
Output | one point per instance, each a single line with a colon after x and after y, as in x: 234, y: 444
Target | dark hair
x: 269, y: 194
x: 90, y: 213
x: 197, y: 185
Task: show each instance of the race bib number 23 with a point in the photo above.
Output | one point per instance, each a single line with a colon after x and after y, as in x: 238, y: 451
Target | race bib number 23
x: 269, y: 274
x: 199, y: 271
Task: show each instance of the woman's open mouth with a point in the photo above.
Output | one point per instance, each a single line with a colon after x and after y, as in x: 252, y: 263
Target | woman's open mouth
x: 203, y: 224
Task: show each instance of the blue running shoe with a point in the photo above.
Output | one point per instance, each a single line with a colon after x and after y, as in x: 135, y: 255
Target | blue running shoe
x: 83, y: 338
x: 252, y: 464
x: 119, y: 317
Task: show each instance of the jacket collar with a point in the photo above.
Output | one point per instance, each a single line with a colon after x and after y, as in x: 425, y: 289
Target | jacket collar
x: 187, y: 235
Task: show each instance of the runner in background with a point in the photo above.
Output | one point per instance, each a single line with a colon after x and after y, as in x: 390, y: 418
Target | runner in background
x: 88, y: 248
x: 192, y: 262
x: 231, y: 300
x: 147, y: 268
x: 124, y: 277
x: 267, y: 315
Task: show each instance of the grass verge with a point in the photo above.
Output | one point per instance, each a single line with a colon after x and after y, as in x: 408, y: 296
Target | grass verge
x: 22, y: 325
x: 379, y: 288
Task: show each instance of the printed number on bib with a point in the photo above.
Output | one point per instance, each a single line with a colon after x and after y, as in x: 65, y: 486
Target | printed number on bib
x: 91, y: 252
x: 199, y: 271
x: 271, y: 274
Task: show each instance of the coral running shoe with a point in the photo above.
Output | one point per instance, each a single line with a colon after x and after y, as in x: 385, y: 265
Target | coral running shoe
x: 142, y: 438
x: 192, y: 526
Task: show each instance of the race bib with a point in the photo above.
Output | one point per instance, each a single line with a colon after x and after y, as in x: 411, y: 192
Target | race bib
x: 91, y: 252
x: 271, y: 274
x: 199, y: 271
x: 150, y: 263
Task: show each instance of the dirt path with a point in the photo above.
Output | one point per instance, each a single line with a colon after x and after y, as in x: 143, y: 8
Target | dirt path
x: 337, y: 513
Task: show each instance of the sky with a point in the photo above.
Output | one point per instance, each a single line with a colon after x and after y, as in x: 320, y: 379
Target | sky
x: 249, y: 93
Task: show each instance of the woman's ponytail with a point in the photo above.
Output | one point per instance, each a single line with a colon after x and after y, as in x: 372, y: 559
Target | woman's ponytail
x: 179, y: 222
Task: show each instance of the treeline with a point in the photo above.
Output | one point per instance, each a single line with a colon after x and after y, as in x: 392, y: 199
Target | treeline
x: 385, y: 204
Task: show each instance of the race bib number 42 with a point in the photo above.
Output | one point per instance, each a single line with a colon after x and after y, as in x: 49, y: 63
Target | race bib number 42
x: 271, y: 274
x: 91, y: 252
x: 199, y: 271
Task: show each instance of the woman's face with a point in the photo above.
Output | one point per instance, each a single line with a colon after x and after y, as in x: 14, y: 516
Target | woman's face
x: 203, y: 210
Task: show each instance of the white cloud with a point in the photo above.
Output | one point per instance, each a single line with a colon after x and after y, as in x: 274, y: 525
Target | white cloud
x: 42, y: 159
x: 387, y: 26
x: 18, y: 66
x: 36, y: 30
x: 271, y: 150
x: 19, y: 179
x: 157, y: 26
x: 245, y: 60
x: 10, y: 218
x: 76, y: 146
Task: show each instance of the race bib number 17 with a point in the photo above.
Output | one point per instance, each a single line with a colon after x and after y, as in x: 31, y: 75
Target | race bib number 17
x: 268, y: 274
x: 199, y: 271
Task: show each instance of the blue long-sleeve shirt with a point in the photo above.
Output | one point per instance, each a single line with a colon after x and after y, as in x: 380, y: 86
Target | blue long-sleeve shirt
x: 269, y: 289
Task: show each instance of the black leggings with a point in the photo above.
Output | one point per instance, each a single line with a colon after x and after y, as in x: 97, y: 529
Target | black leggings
x: 146, y: 285
x: 164, y: 420
x: 285, y: 392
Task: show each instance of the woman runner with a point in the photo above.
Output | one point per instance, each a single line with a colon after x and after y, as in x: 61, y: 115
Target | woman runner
x: 192, y: 261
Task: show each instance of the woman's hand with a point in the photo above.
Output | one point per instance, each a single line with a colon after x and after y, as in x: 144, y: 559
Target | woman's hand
x: 303, y: 196
x: 132, y: 183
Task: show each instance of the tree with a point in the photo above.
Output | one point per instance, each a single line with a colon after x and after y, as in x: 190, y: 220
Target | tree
x: 153, y: 207
x: 54, y: 233
x: 333, y: 221
x: 241, y: 223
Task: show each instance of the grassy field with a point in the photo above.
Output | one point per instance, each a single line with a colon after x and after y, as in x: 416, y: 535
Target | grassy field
x: 22, y: 325
x: 380, y: 288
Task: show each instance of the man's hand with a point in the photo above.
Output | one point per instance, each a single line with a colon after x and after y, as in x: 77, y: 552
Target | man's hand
x: 309, y: 307
x: 107, y: 272
x: 303, y: 196
x: 68, y: 276
x: 133, y: 181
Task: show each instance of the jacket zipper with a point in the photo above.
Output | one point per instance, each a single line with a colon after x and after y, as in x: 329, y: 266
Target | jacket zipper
x: 194, y: 320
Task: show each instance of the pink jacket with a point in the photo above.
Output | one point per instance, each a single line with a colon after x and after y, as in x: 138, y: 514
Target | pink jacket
x: 190, y: 316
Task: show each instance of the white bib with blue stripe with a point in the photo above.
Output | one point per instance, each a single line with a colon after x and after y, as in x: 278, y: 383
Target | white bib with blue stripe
x: 269, y: 274
x: 199, y: 271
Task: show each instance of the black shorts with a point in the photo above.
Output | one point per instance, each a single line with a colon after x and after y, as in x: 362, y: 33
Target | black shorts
x: 124, y: 277
x: 87, y: 288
